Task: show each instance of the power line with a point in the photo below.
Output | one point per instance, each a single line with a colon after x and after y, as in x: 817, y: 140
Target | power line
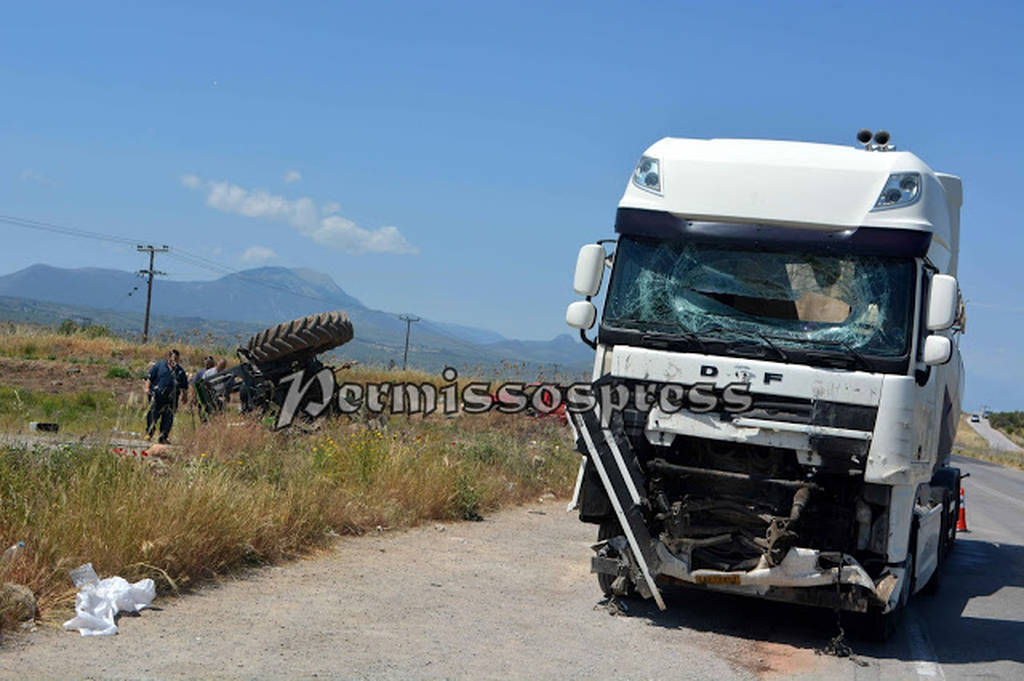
x: 185, y: 256
x: 195, y: 260
x: 71, y: 231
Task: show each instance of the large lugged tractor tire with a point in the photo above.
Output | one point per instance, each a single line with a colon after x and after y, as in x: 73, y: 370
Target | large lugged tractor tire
x: 310, y: 335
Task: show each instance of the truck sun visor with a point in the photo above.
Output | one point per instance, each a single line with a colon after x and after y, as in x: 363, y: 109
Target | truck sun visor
x: 860, y: 241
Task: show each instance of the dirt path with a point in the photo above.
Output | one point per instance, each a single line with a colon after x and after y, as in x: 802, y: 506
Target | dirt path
x: 510, y: 597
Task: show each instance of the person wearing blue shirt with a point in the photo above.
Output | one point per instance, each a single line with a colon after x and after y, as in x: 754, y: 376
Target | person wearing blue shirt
x: 208, y: 363
x: 164, y: 385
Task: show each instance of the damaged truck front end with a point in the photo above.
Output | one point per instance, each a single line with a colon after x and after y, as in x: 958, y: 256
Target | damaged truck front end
x: 776, y: 377
x: 730, y: 515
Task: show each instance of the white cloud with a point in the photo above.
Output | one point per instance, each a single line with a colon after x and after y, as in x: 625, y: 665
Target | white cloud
x: 255, y: 254
x: 29, y: 175
x: 322, y: 225
x: 292, y: 176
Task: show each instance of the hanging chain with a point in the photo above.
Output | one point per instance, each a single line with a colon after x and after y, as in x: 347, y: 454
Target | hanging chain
x: 837, y: 646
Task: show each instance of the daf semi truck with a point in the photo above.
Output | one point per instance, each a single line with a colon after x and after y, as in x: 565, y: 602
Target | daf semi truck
x: 778, y: 371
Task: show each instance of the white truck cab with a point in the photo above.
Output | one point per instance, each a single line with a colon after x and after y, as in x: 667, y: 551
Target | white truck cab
x: 784, y: 318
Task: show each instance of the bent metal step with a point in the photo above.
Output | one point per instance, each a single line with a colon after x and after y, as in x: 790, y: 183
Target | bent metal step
x: 623, y: 483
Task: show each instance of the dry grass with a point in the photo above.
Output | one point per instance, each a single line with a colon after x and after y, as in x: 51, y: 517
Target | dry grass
x: 34, y: 342
x: 236, y: 494
x: 233, y: 493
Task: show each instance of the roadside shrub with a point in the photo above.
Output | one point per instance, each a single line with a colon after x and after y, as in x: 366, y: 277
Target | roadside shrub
x: 70, y: 327
x: 466, y: 500
x: 1009, y: 421
x: 119, y: 372
x: 98, y: 331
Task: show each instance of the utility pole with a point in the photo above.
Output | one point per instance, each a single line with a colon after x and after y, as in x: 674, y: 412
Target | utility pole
x: 408, y: 319
x: 152, y: 250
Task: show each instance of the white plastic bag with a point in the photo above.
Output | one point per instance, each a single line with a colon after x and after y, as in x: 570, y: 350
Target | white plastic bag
x: 98, y: 601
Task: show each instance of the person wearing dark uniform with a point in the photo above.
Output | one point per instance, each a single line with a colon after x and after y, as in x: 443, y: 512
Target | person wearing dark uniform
x: 165, y: 384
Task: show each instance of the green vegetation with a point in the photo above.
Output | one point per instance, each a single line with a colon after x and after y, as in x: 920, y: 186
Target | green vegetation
x: 1010, y: 422
x: 80, y: 412
x: 119, y: 372
x: 69, y: 327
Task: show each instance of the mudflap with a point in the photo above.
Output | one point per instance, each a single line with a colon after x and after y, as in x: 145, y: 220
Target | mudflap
x: 623, y: 482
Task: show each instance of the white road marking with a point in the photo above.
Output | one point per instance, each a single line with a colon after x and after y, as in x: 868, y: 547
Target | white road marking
x: 926, y: 662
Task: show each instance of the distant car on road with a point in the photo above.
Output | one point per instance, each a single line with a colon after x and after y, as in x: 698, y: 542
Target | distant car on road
x: 975, y: 418
x: 985, y: 414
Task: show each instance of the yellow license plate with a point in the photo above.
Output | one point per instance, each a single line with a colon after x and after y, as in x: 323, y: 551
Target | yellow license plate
x: 718, y: 579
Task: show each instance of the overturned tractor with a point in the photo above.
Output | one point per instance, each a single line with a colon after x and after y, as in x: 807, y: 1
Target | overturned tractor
x: 270, y: 356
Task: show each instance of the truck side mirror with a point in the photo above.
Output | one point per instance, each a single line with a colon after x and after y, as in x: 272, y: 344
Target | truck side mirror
x: 589, y: 270
x: 942, y: 302
x: 581, y: 314
x: 937, y: 350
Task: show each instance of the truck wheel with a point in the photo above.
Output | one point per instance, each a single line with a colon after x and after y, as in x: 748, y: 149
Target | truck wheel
x: 948, y: 478
x: 954, y: 518
x: 878, y: 626
x: 310, y: 335
x: 931, y: 587
x: 607, y: 530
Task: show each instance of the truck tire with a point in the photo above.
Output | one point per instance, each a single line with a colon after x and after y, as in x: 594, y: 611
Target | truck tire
x: 307, y: 336
x: 607, y: 530
x: 949, y: 478
x: 946, y: 537
x: 954, y: 518
x: 878, y: 626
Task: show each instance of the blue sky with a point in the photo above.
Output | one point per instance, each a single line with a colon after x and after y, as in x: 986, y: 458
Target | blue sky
x: 453, y: 156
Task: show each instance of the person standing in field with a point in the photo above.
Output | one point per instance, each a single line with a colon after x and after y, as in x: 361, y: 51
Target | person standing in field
x: 200, y: 374
x: 217, y: 368
x: 209, y: 400
x: 165, y: 385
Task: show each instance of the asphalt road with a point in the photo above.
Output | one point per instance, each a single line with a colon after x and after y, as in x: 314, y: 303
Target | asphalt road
x: 995, y: 438
x: 511, y: 598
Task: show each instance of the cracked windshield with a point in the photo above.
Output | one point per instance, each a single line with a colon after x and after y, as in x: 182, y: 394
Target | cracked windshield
x: 855, y: 302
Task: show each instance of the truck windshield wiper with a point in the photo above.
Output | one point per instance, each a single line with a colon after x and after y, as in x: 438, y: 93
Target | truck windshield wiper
x: 719, y: 330
x: 677, y: 329
x: 856, y: 357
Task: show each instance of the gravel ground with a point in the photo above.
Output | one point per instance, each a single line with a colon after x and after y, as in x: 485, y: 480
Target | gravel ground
x: 510, y: 597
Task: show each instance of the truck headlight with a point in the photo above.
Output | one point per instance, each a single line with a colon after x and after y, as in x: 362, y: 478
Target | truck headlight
x: 901, y: 189
x: 647, y: 174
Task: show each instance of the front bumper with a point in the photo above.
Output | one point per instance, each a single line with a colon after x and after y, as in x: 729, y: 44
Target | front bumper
x: 806, y: 576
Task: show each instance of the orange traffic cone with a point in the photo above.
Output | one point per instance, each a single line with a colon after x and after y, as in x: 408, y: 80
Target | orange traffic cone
x: 961, y: 522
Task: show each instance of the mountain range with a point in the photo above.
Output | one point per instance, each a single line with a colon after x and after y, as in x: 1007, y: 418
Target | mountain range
x: 241, y: 303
